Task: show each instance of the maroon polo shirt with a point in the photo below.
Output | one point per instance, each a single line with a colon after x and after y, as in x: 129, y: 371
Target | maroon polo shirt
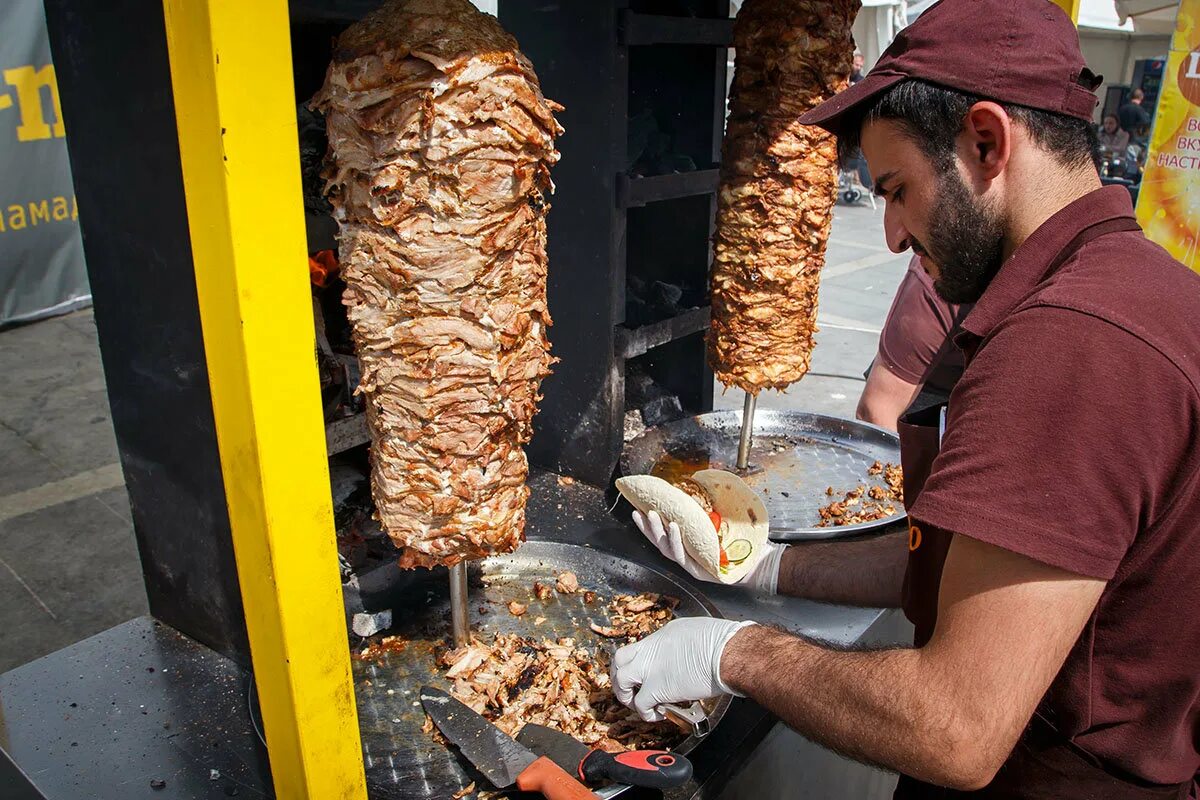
x: 1073, y: 438
x: 915, y: 343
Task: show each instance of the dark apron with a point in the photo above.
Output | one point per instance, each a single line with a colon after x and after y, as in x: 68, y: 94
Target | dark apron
x: 1045, y: 765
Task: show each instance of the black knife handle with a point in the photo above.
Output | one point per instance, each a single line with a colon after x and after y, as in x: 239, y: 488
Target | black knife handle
x: 653, y: 769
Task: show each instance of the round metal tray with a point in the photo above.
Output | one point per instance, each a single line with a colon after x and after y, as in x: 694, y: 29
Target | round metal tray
x: 403, y: 762
x: 795, y: 457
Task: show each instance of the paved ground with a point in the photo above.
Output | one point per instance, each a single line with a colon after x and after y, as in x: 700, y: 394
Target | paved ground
x: 857, y: 287
x: 68, y: 563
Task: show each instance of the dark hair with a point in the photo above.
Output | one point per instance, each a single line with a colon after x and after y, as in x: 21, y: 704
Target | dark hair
x: 933, y: 117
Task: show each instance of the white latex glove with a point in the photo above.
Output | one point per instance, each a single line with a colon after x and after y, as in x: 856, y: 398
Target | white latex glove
x: 678, y: 663
x: 763, y: 576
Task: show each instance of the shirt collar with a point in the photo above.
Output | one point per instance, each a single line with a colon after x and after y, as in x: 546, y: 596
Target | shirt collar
x: 1045, y: 248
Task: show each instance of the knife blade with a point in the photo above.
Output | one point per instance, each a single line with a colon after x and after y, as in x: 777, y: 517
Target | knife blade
x: 652, y: 769
x: 496, y: 754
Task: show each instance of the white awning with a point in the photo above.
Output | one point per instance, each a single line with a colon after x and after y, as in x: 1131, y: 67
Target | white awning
x: 1149, y: 16
x: 1134, y: 8
x: 1155, y: 17
x: 876, y: 25
x: 1102, y: 15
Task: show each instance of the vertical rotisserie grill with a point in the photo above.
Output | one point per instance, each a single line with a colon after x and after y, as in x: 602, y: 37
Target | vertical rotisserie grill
x: 440, y: 143
x: 778, y: 186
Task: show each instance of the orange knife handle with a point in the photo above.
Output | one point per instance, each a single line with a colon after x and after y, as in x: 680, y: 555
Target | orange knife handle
x: 552, y: 781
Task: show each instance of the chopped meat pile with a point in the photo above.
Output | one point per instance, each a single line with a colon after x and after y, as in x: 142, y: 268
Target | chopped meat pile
x: 865, y: 503
x: 440, y: 144
x: 637, y: 616
x: 778, y: 186
x: 560, y: 683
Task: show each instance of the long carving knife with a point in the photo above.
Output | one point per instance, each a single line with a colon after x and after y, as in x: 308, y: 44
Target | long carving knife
x: 497, y: 755
x: 653, y: 769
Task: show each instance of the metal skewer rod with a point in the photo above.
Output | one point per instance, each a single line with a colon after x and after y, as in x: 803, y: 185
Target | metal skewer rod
x: 743, y: 459
x: 458, y: 604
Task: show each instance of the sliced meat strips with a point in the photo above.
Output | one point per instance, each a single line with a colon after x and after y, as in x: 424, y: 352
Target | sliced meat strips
x: 778, y: 186
x: 440, y: 144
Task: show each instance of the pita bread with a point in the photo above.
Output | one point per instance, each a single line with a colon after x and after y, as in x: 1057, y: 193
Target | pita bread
x: 741, y: 510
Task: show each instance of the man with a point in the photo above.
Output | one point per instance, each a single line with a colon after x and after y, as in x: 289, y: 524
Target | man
x: 856, y: 74
x: 1113, y: 140
x: 917, y: 362
x: 1051, y: 566
x: 1132, y: 116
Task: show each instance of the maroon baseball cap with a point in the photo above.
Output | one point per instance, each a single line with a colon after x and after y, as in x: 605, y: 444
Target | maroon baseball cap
x: 1024, y: 52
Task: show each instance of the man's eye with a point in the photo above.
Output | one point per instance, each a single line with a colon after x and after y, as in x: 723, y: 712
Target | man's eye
x: 898, y: 195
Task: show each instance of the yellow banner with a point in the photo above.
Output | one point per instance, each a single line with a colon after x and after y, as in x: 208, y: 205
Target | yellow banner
x: 1187, y: 27
x: 1069, y: 6
x: 1168, y: 206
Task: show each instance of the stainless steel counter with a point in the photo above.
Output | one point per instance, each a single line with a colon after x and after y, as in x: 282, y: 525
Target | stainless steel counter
x: 141, y: 703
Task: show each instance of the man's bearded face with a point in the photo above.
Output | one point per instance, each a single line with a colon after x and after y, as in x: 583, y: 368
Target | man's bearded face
x: 965, y: 241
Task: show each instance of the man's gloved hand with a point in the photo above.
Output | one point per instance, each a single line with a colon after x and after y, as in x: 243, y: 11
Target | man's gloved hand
x: 763, y: 576
x: 678, y: 663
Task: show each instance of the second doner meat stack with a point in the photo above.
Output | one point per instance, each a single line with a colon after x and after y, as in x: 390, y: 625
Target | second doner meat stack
x: 778, y: 187
x: 440, y: 147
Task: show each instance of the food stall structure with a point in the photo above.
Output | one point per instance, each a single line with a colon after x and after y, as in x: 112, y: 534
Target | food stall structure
x: 187, y: 156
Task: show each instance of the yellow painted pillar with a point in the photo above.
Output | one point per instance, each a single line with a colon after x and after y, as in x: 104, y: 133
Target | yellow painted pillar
x: 1069, y: 6
x: 231, y: 73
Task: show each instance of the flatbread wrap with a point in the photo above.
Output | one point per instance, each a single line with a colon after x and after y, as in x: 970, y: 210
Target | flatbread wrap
x: 722, y: 522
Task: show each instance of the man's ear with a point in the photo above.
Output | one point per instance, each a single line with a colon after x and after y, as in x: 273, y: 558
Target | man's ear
x: 986, y: 140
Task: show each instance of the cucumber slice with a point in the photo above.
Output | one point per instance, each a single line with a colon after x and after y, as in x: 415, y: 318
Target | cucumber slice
x: 738, y: 550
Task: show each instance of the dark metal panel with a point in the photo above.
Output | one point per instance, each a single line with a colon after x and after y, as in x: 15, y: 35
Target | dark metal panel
x: 343, y: 11
x: 114, y: 80
x: 343, y: 434
x: 633, y: 342
x: 635, y: 191
x: 573, y: 47
x: 17, y: 785
x: 643, y: 29
x: 115, y: 714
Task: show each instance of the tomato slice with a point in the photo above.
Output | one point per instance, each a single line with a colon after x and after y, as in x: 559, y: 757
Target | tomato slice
x: 724, y: 558
x: 716, y: 520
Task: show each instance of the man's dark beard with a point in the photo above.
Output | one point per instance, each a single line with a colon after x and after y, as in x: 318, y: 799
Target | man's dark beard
x: 966, y: 241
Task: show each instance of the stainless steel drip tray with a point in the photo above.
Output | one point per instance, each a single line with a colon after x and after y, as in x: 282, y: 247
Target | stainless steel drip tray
x: 795, y: 458
x: 402, y: 761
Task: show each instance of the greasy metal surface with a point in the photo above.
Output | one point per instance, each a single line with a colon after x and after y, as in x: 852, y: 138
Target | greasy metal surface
x: 493, y: 752
x: 403, y: 762
x: 799, y: 456
x: 136, y: 704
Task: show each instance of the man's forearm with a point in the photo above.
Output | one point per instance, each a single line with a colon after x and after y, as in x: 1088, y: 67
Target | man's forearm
x: 874, y: 706
x: 865, y: 573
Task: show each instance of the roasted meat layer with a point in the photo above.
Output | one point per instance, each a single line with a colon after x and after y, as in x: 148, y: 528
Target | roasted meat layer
x: 440, y: 144
x: 778, y: 186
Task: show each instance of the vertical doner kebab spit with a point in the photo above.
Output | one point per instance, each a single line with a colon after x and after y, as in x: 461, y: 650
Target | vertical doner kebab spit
x: 440, y: 144
x: 778, y: 187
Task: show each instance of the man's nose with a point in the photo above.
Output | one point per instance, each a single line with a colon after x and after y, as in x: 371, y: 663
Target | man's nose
x: 898, y: 237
